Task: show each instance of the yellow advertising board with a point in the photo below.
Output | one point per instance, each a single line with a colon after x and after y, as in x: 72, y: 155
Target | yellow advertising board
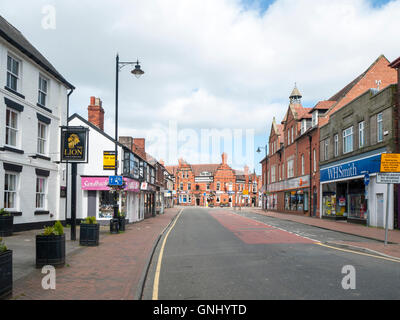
x: 108, y: 160
x: 245, y: 192
x: 390, y: 162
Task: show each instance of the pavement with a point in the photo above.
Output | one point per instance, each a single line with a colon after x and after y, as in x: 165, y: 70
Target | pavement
x: 392, y: 249
x: 114, y: 270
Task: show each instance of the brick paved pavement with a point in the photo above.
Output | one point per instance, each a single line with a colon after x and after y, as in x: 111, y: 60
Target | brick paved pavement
x: 392, y: 249
x: 111, y: 271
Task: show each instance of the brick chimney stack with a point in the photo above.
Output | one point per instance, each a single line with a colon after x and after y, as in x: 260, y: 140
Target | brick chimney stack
x: 96, y: 113
x: 224, y: 158
x: 139, y: 147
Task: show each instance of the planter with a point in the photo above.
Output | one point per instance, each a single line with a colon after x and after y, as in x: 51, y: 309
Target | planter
x: 121, y: 222
x: 6, y: 225
x: 50, y: 250
x: 6, y: 276
x: 89, y: 234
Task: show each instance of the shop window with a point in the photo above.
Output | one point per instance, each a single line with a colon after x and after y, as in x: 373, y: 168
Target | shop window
x: 106, y: 203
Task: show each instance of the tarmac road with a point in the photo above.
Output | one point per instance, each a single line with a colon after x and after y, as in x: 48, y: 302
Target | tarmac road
x: 216, y: 254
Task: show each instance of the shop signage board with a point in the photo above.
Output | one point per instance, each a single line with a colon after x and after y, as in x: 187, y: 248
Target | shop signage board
x: 108, y: 160
x: 390, y: 162
x: 245, y: 192
x: 388, y: 177
x: 74, y: 144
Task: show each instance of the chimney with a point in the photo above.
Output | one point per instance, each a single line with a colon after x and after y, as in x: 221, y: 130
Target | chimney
x: 139, y: 146
x: 224, y: 158
x: 126, y: 141
x: 246, y: 170
x: 96, y: 113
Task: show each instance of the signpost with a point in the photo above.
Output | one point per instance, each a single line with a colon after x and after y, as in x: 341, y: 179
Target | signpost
x: 389, y: 174
x: 74, y: 149
x: 115, y: 180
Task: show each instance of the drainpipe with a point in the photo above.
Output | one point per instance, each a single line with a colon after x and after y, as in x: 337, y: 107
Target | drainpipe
x: 309, y: 206
x: 66, y: 170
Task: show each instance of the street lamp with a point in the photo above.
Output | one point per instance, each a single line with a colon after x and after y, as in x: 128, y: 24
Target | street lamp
x: 137, y: 72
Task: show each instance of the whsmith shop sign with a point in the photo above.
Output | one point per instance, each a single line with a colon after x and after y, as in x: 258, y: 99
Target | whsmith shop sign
x: 74, y: 144
x: 355, y: 168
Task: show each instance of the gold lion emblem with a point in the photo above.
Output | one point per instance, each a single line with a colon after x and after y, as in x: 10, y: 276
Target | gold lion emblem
x: 73, y: 140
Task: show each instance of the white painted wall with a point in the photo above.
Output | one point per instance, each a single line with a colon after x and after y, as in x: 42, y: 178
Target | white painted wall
x: 57, y: 102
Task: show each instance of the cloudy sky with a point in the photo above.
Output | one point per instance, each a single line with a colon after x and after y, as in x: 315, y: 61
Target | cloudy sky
x: 226, y: 65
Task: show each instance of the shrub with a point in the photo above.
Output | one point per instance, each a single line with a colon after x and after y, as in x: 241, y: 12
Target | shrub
x: 3, y: 212
x: 58, y: 228
x: 90, y: 220
x: 48, y: 231
x: 2, y: 246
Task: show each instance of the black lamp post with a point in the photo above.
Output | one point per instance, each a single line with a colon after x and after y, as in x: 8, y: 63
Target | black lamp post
x: 137, y: 72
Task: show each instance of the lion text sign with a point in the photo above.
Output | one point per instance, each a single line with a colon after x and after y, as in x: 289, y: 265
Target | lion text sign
x: 74, y: 144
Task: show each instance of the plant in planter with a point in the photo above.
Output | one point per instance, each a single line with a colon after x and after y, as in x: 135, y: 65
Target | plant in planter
x: 50, y: 246
x: 121, y: 221
x: 6, y: 223
x: 89, y: 232
x: 6, y: 276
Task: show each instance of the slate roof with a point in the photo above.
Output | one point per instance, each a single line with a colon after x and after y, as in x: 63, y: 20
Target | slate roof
x: 14, y: 37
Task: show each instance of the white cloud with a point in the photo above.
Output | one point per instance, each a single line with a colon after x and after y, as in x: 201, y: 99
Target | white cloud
x: 208, y: 63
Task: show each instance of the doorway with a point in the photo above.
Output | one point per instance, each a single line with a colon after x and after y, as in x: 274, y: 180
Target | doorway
x: 197, y: 201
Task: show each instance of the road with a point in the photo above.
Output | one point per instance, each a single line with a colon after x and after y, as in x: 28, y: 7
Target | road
x: 220, y: 254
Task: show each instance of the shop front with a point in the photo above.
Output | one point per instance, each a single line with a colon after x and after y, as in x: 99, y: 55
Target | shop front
x: 294, y: 195
x: 148, y: 194
x: 346, y: 194
x: 99, y: 200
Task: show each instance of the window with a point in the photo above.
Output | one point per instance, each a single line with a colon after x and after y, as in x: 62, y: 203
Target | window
x: 42, y: 134
x: 181, y: 186
x: 315, y: 160
x: 303, y: 126
x: 208, y: 186
x: 12, y: 73
x: 302, y: 165
x: 10, y: 191
x: 288, y: 137
x: 314, y: 118
x: 283, y: 171
x: 379, y: 120
x: 336, y: 144
x: 218, y: 186
x: 11, y: 128
x: 189, y: 186
x: 279, y: 172
x: 292, y: 134
x: 273, y: 174
x: 361, y: 139
x: 290, y: 168
x: 40, y: 193
x: 326, y: 149
x: 348, y: 140
x: 42, y: 91
x: 218, y: 199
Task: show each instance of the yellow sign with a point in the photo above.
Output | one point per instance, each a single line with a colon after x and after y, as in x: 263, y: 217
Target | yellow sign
x: 390, y: 162
x: 245, y: 192
x: 108, y: 160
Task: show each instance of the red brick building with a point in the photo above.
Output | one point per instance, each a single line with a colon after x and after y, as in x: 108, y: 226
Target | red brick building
x: 292, y: 164
x: 214, y: 184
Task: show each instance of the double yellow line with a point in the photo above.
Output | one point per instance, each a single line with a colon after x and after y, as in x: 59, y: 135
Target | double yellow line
x: 159, y: 262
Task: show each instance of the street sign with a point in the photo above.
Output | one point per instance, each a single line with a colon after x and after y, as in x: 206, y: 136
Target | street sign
x: 366, y: 179
x: 385, y: 178
x: 204, y: 194
x: 115, y: 181
x: 108, y: 160
x: 390, y: 162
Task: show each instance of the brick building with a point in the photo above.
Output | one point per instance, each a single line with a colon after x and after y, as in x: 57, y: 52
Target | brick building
x: 292, y: 164
x: 214, y: 184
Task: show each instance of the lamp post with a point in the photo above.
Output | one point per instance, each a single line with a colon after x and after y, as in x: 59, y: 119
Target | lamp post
x: 137, y: 72
x: 266, y: 169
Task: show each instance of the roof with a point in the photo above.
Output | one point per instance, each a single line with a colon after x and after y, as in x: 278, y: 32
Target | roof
x: 395, y: 64
x: 16, y: 39
x: 301, y: 112
x: 199, y: 168
x: 323, y: 105
x: 91, y: 125
x: 295, y: 93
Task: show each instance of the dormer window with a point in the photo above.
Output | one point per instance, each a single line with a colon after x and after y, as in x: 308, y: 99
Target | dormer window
x: 315, y: 118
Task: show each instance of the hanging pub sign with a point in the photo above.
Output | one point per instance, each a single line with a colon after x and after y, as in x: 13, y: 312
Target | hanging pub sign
x: 74, y: 144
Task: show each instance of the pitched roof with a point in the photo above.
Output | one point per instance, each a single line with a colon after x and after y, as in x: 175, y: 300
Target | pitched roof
x: 395, y: 64
x: 323, y: 105
x: 16, y: 38
x: 199, y: 168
